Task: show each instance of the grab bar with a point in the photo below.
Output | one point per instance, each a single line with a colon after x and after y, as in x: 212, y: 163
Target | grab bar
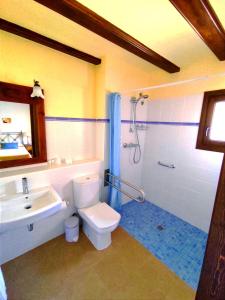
x: 128, y: 184
x: 171, y: 166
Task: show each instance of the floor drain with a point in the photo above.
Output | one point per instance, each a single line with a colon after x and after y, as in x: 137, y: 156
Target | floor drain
x: 28, y: 206
x: 160, y: 227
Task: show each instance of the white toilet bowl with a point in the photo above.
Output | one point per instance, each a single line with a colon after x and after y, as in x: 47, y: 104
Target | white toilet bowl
x: 99, y: 219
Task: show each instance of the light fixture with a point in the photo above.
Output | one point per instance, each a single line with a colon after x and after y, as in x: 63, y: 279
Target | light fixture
x: 37, y: 92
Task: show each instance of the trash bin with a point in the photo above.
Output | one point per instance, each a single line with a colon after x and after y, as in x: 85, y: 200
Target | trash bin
x: 72, y: 229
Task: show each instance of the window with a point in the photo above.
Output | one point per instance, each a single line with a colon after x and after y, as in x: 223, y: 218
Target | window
x: 211, y: 134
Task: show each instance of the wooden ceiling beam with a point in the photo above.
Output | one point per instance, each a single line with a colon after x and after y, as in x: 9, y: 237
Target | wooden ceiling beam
x: 41, y: 39
x: 85, y: 17
x: 201, y: 16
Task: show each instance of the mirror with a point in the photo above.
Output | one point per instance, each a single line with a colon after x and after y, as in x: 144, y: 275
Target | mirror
x: 22, y: 127
x: 15, y: 131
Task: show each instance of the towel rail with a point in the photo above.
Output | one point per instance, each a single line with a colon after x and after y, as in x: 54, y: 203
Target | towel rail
x: 142, y: 193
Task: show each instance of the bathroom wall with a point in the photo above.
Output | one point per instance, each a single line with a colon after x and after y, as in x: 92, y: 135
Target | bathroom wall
x: 68, y: 83
x: 75, y: 91
x: 188, y: 191
x: 69, y: 86
x: 16, y: 242
x: 76, y: 95
x: 75, y: 105
x: 70, y: 138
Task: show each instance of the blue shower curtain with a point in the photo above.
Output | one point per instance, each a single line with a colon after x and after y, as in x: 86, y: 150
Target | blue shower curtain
x: 114, y: 148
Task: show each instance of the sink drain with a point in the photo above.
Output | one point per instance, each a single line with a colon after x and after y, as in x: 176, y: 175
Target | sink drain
x: 28, y: 206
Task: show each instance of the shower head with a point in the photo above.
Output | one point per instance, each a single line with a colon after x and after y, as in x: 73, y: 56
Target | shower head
x: 141, y: 97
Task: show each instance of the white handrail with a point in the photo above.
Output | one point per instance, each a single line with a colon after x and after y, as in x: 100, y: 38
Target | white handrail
x: 128, y: 184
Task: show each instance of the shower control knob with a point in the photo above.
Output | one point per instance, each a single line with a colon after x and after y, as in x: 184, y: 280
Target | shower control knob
x: 130, y: 145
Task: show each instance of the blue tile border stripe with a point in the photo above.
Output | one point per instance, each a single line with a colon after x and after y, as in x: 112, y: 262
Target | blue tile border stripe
x: 162, y: 123
x: 175, y: 123
x: 102, y: 120
x: 65, y: 119
x: 47, y: 118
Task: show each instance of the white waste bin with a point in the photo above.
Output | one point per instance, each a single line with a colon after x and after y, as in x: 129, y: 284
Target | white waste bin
x: 72, y: 229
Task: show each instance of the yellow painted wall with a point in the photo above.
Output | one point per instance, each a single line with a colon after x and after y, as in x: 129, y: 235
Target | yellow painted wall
x: 124, y: 73
x: 74, y: 88
x: 69, y: 83
x: 158, y: 25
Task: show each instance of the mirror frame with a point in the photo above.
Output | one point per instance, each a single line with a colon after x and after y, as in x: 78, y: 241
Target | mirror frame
x: 21, y: 94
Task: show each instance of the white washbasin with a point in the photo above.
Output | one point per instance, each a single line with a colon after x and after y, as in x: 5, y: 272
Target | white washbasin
x: 23, y: 209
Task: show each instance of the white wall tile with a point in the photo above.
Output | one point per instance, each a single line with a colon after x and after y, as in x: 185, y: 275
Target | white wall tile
x: 177, y: 106
x: 20, y: 240
x: 166, y: 110
x: 154, y: 111
x: 187, y: 191
x: 192, y: 108
x: 125, y: 107
x: 73, y: 140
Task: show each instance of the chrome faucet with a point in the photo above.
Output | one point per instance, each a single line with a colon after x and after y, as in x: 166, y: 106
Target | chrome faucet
x: 25, y: 185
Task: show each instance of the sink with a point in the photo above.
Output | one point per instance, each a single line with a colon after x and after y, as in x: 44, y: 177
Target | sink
x: 23, y: 209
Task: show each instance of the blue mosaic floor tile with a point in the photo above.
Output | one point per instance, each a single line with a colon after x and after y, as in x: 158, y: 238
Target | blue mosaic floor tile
x: 176, y: 243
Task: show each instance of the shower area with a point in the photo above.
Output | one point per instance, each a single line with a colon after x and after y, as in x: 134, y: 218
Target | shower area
x: 158, y: 154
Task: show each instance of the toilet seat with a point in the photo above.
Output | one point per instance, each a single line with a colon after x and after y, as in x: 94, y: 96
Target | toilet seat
x: 100, y: 215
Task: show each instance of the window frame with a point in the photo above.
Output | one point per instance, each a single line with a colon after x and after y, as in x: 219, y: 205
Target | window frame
x: 203, y: 140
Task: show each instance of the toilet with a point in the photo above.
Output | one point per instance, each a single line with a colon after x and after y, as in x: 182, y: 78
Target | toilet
x: 99, y: 219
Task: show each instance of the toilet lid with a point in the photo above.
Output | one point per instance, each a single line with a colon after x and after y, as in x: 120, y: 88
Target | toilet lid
x: 101, y: 215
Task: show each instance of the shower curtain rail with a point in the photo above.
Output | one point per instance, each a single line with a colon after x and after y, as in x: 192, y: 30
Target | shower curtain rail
x: 179, y: 82
x: 140, y: 199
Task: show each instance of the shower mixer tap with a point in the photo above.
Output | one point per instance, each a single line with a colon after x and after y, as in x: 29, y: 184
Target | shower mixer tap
x: 129, y: 145
x: 134, y: 127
